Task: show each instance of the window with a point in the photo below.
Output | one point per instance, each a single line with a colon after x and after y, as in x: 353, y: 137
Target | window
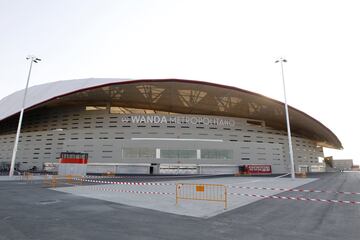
x: 216, y: 154
x: 187, y: 153
x: 170, y: 153
x: 139, y: 152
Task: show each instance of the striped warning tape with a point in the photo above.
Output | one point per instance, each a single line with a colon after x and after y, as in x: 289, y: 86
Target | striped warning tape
x: 236, y: 194
x: 230, y: 186
x: 294, y: 190
x: 132, y: 191
x: 296, y: 198
x: 142, y: 176
x: 128, y: 183
x: 115, y: 177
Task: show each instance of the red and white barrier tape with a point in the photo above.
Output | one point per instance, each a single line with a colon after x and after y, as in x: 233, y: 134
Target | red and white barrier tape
x: 113, y: 176
x: 296, y: 198
x: 132, y: 191
x: 236, y: 194
x: 140, y: 176
x: 128, y: 183
x: 294, y: 190
x: 230, y: 186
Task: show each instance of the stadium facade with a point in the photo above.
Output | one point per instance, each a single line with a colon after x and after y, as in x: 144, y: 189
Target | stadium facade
x: 158, y: 125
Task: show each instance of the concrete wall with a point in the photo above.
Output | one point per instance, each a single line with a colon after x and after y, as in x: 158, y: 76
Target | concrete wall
x: 218, y: 169
x: 118, y: 168
x: 104, y: 136
x: 72, y: 169
x: 342, y: 164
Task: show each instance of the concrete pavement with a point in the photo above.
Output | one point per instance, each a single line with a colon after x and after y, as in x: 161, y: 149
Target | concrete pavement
x: 29, y: 211
x: 165, y: 199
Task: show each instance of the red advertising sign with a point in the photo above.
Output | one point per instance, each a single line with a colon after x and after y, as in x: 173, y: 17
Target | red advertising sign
x: 73, y: 160
x: 258, y: 169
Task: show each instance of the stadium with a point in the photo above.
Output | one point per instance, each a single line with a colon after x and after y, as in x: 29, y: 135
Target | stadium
x: 155, y: 126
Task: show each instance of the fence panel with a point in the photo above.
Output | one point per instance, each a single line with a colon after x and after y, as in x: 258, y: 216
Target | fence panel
x: 205, y: 192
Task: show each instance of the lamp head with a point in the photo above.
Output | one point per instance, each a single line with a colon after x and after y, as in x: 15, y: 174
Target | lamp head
x: 33, y: 58
x: 281, y: 60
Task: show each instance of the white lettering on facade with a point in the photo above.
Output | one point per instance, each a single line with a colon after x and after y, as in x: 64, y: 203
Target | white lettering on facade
x: 156, y: 119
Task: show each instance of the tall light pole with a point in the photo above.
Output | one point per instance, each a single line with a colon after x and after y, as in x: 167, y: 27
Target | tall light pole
x: 281, y: 61
x: 12, y: 166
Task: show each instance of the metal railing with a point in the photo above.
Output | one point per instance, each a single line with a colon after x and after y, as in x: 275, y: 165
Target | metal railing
x: 205, y: 192
x: 54, y: 180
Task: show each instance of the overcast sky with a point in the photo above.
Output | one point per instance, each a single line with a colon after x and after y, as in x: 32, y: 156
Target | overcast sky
x: 228, y: 42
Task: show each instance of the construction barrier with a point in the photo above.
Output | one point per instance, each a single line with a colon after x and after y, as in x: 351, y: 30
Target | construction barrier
x: 296, y: 198
x: 54, y: 180
x: 109, y: 174
x: 301, y: 174
x: 27, y: 176
x: 86, y: 179
x: 50, y: 181
x: 209, y: 192
x: 294, y: 190
x: 73, y: 179
x: 205, y: 192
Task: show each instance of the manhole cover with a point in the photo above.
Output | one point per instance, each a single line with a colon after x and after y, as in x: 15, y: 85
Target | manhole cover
x: 45, y: 202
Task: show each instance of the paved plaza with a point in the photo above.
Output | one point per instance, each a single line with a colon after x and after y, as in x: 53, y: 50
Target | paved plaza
x: 31, y: 211
x: 162, y: 197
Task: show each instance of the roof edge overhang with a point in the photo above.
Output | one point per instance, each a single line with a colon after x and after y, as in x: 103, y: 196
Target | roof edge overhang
x: 118, y: 81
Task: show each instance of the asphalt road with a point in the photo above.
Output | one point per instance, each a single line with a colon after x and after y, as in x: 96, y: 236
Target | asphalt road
x: 29, y: 211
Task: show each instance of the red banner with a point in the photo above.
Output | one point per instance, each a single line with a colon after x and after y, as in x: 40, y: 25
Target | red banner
x: 258, y: 169
x: 73, y: 160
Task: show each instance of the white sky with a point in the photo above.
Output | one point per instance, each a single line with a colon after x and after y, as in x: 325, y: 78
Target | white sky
x: 228, y: 42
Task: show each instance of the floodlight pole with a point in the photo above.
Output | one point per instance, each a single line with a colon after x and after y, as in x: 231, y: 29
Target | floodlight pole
x: 282, y: 60
x: 12, y: 166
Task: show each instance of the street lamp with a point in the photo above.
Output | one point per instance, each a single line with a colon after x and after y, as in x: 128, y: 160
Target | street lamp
x: 12, y: 166
x: 282, y: 60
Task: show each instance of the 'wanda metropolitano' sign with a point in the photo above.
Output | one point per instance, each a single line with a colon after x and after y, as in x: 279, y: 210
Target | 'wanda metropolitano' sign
x: 194, y: 120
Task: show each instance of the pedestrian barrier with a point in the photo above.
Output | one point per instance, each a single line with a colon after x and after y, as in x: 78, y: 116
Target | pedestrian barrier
x: 296, y: 198
x: 27, y: 176
x: 130, y: 191
x: 73, y: 179
x: 205, y: 192
x: 109, y: 174
x: 54, y: 180
x: 50, y: 181
x: 301, y: 174
x: 294, y: 190
x: 86, y: 179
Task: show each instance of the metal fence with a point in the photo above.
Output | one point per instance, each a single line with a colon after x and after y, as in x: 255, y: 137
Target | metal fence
x: 205, y: 192
x: 55, y: 180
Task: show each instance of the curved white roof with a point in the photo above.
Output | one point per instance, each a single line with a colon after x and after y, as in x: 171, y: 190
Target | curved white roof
x: 178, y: 95
x: 11, y: 104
